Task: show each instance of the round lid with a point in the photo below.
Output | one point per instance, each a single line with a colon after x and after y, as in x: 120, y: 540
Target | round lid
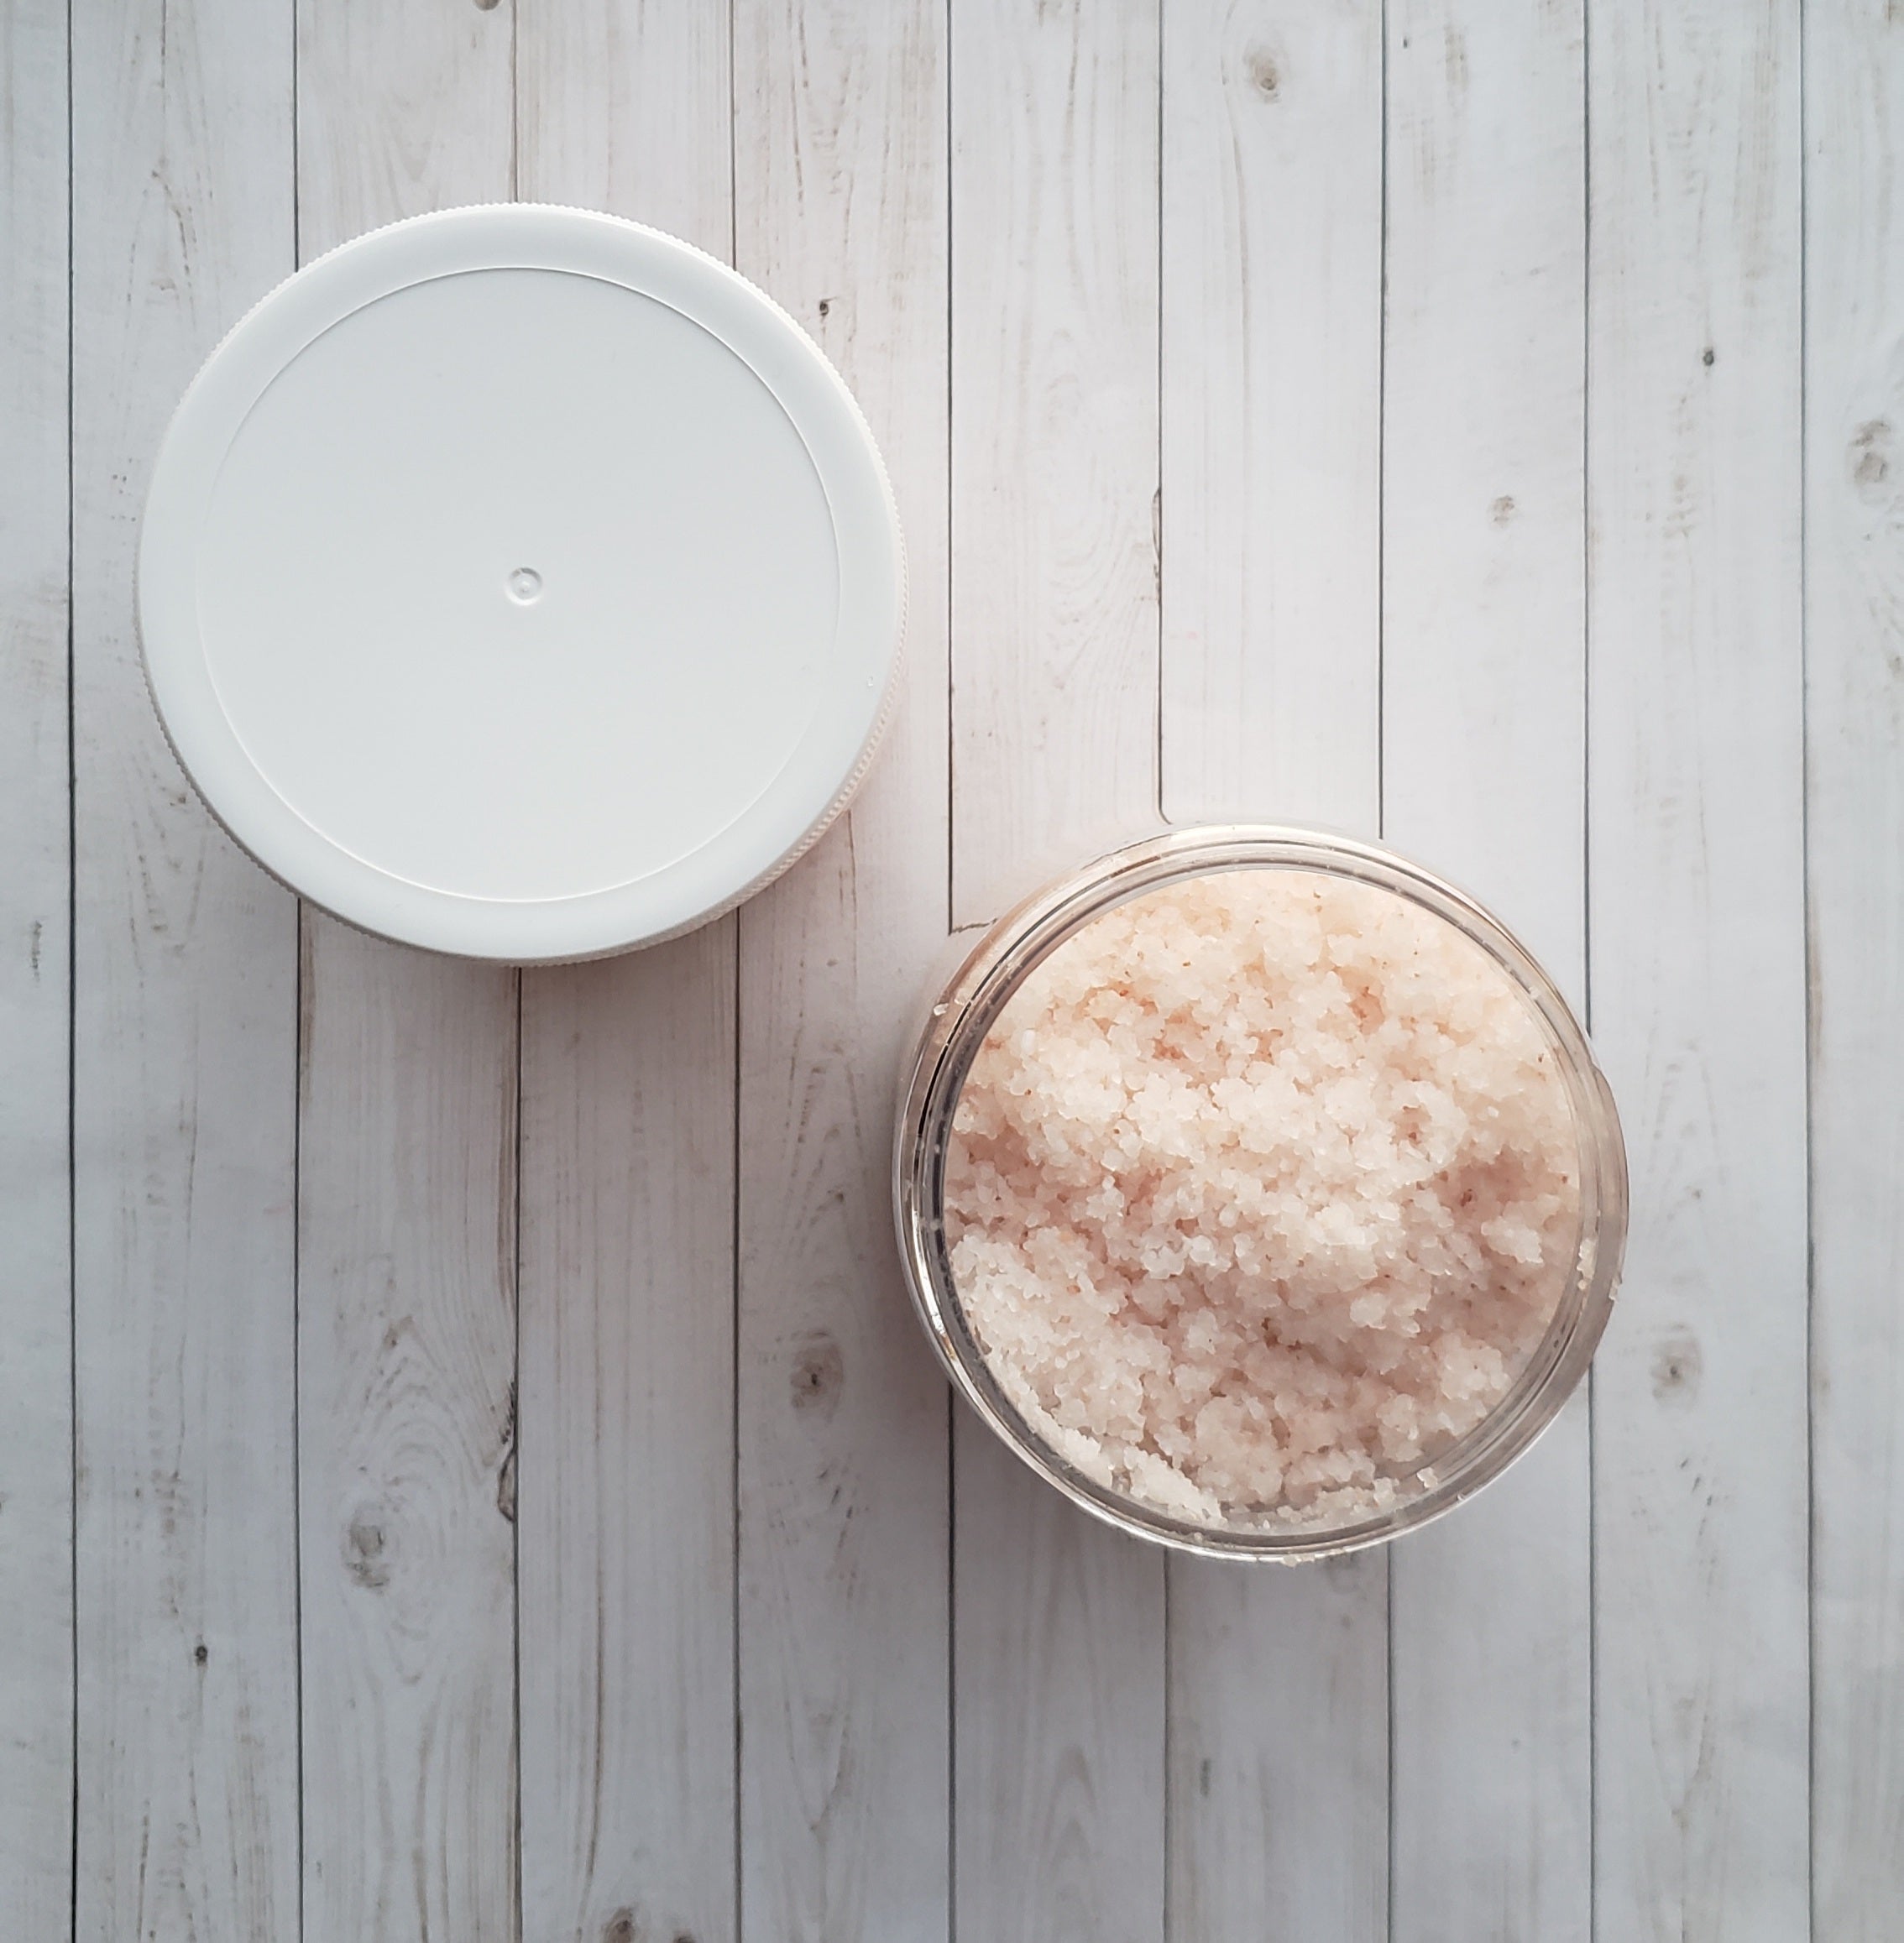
x: 521, y: 582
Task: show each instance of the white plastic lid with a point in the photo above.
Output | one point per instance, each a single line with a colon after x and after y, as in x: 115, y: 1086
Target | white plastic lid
x: 521, y: 582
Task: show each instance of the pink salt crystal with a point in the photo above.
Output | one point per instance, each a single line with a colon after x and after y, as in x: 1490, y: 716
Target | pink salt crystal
x: 1261, y: 1191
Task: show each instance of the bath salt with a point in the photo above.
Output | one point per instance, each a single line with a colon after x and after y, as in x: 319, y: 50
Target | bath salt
x: 1261, y: 1190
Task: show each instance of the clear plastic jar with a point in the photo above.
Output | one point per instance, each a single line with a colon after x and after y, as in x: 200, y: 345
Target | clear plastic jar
x: 941, y: 1059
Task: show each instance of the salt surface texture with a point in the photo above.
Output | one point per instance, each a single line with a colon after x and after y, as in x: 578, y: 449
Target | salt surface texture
x: 1260, y: 1191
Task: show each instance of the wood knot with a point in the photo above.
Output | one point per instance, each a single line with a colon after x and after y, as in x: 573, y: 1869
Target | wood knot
x: 1869, y: 455
x: 1708, y: 357
x: 820, y: 1373
x: 825, y: 306
x: 620, y: 1927
x: 1503, y: 509
x: 1676, y: 1367
x: 1265, y: 77
x: 363, y: 1551
x: 202, y: 1652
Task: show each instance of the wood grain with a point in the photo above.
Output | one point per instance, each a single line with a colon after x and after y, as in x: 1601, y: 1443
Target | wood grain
x: 36, y: 1471
x: 1853, y: 66
x: 625, y: 1482
x: 840, y: 190
x: 1695, y: 807
x: 184, y: 1051
x: 407, y: 1227
x: 1272, y: 394
x: 400, y: 110
x: 624, y: 104
x: 407, y: 1335
x: 1058, y: 1639
x: 1483, y: 759
x: 626, y: 1474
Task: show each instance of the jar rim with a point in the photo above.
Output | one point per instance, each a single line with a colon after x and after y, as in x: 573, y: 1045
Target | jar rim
x: 963, y: 1012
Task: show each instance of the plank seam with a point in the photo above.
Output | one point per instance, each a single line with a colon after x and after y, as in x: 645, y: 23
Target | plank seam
x: 951, y: 756
x: 299, y: 919
x: 1165, y: 1793
x: 1382, y: 473
x: 734, y: 1240
x: 1157, y: 569
x: 72, y: 1046
x: 1381, y: 820
x: 951, y: 740
x: 733, y: 1342
x: 1587, y: 905
x: 1811, y: 1001
x: 513, y: 1456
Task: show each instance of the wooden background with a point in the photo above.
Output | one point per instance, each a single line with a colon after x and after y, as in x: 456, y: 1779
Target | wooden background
x: 467, y: 1469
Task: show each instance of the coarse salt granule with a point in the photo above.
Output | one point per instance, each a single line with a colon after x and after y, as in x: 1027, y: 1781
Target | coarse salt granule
x: 1261, y: 1190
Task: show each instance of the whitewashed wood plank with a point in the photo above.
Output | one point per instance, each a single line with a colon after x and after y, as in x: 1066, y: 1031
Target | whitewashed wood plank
x: 624, y: 105
x: 36, y: 1475
x: 625, y: 1479
x: 407, y: 1335
x: 1272, y: 386
x: 1272, y: 340
x: 1483, y: 775
x: 1279, y: 1802
x: 1058, y: 1640
x: 184, y: 1054
x: 1059, y: 1644
x: 407, y: 1231
x: 840, y: 194
x: 1853, y: 61
x: 1484, y: 535
x: 1054, y: 426
x: 1697, y: 963
x: 626, y: 1473
x: 400, y: 110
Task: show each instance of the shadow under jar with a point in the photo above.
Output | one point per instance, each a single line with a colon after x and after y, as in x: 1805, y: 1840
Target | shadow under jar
x: 1259, y: 1189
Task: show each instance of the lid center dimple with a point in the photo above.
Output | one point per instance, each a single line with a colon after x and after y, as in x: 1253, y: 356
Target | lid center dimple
x: 525, y: 586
